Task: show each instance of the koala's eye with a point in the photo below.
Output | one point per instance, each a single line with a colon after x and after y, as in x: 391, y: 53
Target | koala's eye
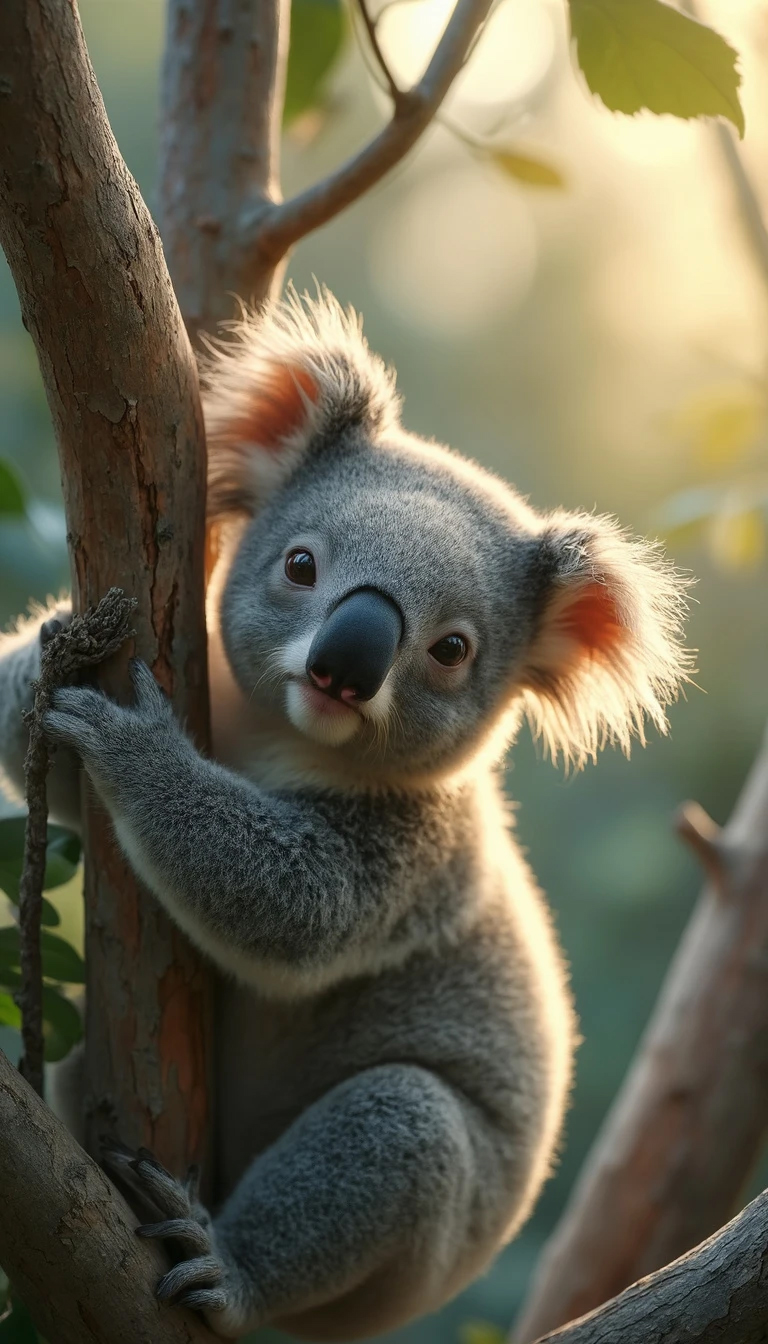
x: 300, y: 568
x: 450, y: 650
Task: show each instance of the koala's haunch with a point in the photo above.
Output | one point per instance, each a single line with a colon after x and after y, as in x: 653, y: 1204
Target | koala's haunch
x: 395, y: 1040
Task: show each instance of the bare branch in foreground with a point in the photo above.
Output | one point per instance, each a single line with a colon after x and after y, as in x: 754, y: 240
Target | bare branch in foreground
x: 88, y: 640
x: 274, y: 232
x: 715, y: 1294
x: 67, y: 1239
x: 683, y: 1135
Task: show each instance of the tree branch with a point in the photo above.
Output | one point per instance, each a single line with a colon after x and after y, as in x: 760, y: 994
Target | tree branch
x: 371, y: 28
x: 684, y: 1133
x: 273, y: 233
x: 89, y: 639
x: 715, y: 1294
x: 223, y: 86
x: 67, y: 1238
x: 121, y: 383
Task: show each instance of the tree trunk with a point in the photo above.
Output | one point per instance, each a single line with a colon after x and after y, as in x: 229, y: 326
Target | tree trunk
x: 222, y: 97
x: 122, y: 388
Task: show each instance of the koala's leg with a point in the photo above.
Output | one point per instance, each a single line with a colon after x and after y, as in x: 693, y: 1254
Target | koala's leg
x: 351, y: 1223
x: 19, y: 665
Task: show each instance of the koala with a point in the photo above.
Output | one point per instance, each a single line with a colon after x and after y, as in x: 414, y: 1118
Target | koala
x: 395, y: 1034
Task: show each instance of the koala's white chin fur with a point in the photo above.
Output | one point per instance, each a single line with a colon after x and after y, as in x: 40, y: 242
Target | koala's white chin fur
x: 332, y: 726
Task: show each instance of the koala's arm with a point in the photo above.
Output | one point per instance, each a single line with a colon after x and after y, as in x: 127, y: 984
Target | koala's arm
x: 19, y: 666
x: 245, y: 873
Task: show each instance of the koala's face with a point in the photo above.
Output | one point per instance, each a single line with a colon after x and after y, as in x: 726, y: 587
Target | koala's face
x: 392, y: 602
x: 383, y: 606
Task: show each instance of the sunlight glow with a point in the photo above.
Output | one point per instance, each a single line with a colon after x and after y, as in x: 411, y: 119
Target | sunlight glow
x: 458, y: 250
x: 512, y: 56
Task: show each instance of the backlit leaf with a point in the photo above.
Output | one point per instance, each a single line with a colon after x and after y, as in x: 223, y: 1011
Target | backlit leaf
x: 11, y: 493
x: 10, y: 1016
x: 722, y: 425
x: 317, y: 37
x: 737, y: 540
x: 644, y: 54
x: 533, y: 171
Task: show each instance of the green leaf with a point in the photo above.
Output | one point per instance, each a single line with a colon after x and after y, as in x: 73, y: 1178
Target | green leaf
x: 534, y: 172
x: 11, y: 494
x: 62, y: 1025
x: 10, y: 1016
x: 317, y: 37
x: 17, y: 1327
x: 62, y: 857
x: 481, y: 1332
x: 61, y: 962
x: 644, y: 54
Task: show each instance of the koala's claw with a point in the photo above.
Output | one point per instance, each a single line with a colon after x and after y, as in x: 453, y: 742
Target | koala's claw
x: 202, y: 1280
x: 201, y: 1274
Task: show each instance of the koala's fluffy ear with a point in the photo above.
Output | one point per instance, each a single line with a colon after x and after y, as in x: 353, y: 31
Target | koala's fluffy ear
x: 607, y: 652
x: 298, y: 374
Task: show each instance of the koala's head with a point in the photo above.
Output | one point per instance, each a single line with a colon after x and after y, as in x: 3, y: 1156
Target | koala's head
x: 398, y: 605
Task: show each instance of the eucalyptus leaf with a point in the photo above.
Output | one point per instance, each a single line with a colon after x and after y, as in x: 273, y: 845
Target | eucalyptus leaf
x: 62, y: 856
x: 524, y: 168
x: 10, y: 1015
x: 643, y: 54
x: 11, y: 494
x: 61, y: 961
x: 317, y: 37
x: 62, y: 1024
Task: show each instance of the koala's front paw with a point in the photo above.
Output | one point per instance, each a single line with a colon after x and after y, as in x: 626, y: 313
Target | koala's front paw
x: 201, y: 1280
x: 110, y: 738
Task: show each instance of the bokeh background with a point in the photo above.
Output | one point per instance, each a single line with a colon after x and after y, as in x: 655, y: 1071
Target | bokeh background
x: 601, y: 345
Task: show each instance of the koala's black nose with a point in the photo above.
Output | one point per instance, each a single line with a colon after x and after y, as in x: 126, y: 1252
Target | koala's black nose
x: 353, y: 651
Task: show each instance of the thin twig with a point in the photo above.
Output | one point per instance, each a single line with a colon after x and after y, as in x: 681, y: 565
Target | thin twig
x: 272, y: 233
x: 371, y: 28
x: 89, y: 639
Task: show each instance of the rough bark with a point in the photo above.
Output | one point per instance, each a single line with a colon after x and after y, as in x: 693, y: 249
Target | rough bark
x: 222, y: 97
x: 122, y: 388
x: 716, y: 1294
x: 67, y: 1237
x: 688, y: 1125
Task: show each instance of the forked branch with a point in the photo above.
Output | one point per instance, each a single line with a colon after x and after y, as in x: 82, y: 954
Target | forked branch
x: 276, y: 231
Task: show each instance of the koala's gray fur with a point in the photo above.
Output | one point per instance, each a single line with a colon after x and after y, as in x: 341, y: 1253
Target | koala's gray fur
x: 395, y: 1045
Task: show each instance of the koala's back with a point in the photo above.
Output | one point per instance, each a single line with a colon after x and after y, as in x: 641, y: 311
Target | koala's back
x: 486, y: 1009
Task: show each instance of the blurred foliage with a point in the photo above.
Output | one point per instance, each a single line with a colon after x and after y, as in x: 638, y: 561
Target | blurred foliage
x: 644, y: 54
x: 15, y: 1322
x: 318, y: 29
x: 62, y: 963
x: 724, y: 431
x: 11, y: 493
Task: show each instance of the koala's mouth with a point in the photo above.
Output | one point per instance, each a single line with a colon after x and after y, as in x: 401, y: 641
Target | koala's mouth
x: 319, y: 716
